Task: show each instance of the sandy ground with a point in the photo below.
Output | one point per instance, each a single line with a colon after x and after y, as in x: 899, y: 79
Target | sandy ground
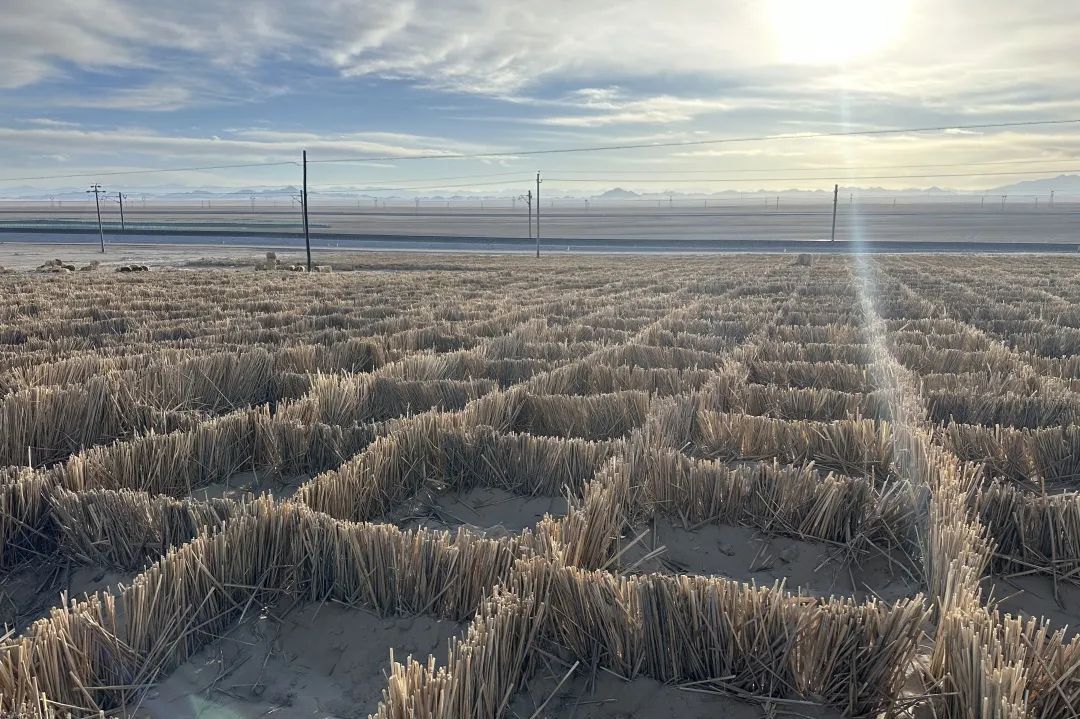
x: 1033, y: 595
x: 485, y: 510
x: 317, y: 661
x: 613, y: 698
x: 244, y: 483
x: 25, y: 256
x: 747, y: 555
x: 28, y: 594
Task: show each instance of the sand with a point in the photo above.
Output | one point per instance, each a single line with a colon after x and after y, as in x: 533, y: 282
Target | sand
x: 485, y: 510
x: 322, y: 662
x: 27, y: 256
x: 643, y: 698
x: 244, y: 483
x: 748, y: 555
x: 28, y: 594
x: 1032, y: 595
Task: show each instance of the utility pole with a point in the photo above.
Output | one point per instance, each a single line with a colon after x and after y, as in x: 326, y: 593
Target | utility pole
x: 528, y: 202
x: 96, y: 189
x: 307, y: 237
x: 120, y: 197
x: 253, y: 204
x: 537, y: 214
x: 835, y: 195
x: 1051, y: 199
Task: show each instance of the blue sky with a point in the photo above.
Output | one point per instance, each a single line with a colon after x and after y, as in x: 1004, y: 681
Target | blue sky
x: 112, y: 85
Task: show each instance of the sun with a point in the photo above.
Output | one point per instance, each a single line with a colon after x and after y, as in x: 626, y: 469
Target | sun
x: 834, y: 31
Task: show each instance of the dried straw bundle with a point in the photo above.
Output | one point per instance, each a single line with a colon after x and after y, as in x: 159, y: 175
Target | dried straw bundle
x: 957, y: 338
x: 463, y: 365
x: 42, y: 425
x: 978, y: 679
x: 127, y: 529
x: 586, y: 537
x: 445, y: 338
x: 757, y: 640
x: 174, y: 464
x: 23, y: 514
x: 703, y: 338
x: 83, y: 367
x: 481, y: 672
x: 991, y: 383
x: 852, y: 334
x: 728, y: 394
x: 1036, y: 457
x: 350, y: 399
x: 855, y: 447
x: 211, y: 383
x: 439, y: 453
x: 1031, y: 530
x: 776, y: 498
x: 829, y: 375
x: 634, y: 354
x: 102, y: 652
x: 593, y: 417
x: 926, y: 360
x: 854, y: 354
x: 587, y: 378
x: 1014, y: 410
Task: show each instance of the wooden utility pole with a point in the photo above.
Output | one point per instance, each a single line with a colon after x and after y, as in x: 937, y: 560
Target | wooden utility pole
x: 96, y: 189
x: 835, y: 195
x: 538, y: 213
x: 307, y: 236
x: 120, y: 197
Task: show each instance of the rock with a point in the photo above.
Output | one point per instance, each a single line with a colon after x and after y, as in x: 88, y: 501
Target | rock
x: 787, y: 555
x: 326, y: 269
x: 69, y: 268
x: 271, y: 257
x: 123, y: 268
x: 727, y: 550
x: 805, y: 259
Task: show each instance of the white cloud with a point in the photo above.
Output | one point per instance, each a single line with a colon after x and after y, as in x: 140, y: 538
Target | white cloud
x: 241, y: 146
x: 946, y: 54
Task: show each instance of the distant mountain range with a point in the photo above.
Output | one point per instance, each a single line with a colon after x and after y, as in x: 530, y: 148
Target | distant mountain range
x: 1062, y: 184
x: 1065, y: 184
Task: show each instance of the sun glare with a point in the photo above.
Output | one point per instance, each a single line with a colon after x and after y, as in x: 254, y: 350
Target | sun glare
x: 834, y: 31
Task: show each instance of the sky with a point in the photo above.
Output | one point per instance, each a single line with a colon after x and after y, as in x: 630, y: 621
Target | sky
x: 107, y: 86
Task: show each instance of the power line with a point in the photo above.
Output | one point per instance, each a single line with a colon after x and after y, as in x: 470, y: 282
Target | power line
x: 151, y: 171
x: 437, y: 187
x: 694, y: 143
x: 823, y: 168
x: 565, y: 150
x: 796, y: 179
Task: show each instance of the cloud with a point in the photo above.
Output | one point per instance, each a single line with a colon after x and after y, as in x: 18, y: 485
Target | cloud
x: 947, y: 56
x: 242, y: 146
